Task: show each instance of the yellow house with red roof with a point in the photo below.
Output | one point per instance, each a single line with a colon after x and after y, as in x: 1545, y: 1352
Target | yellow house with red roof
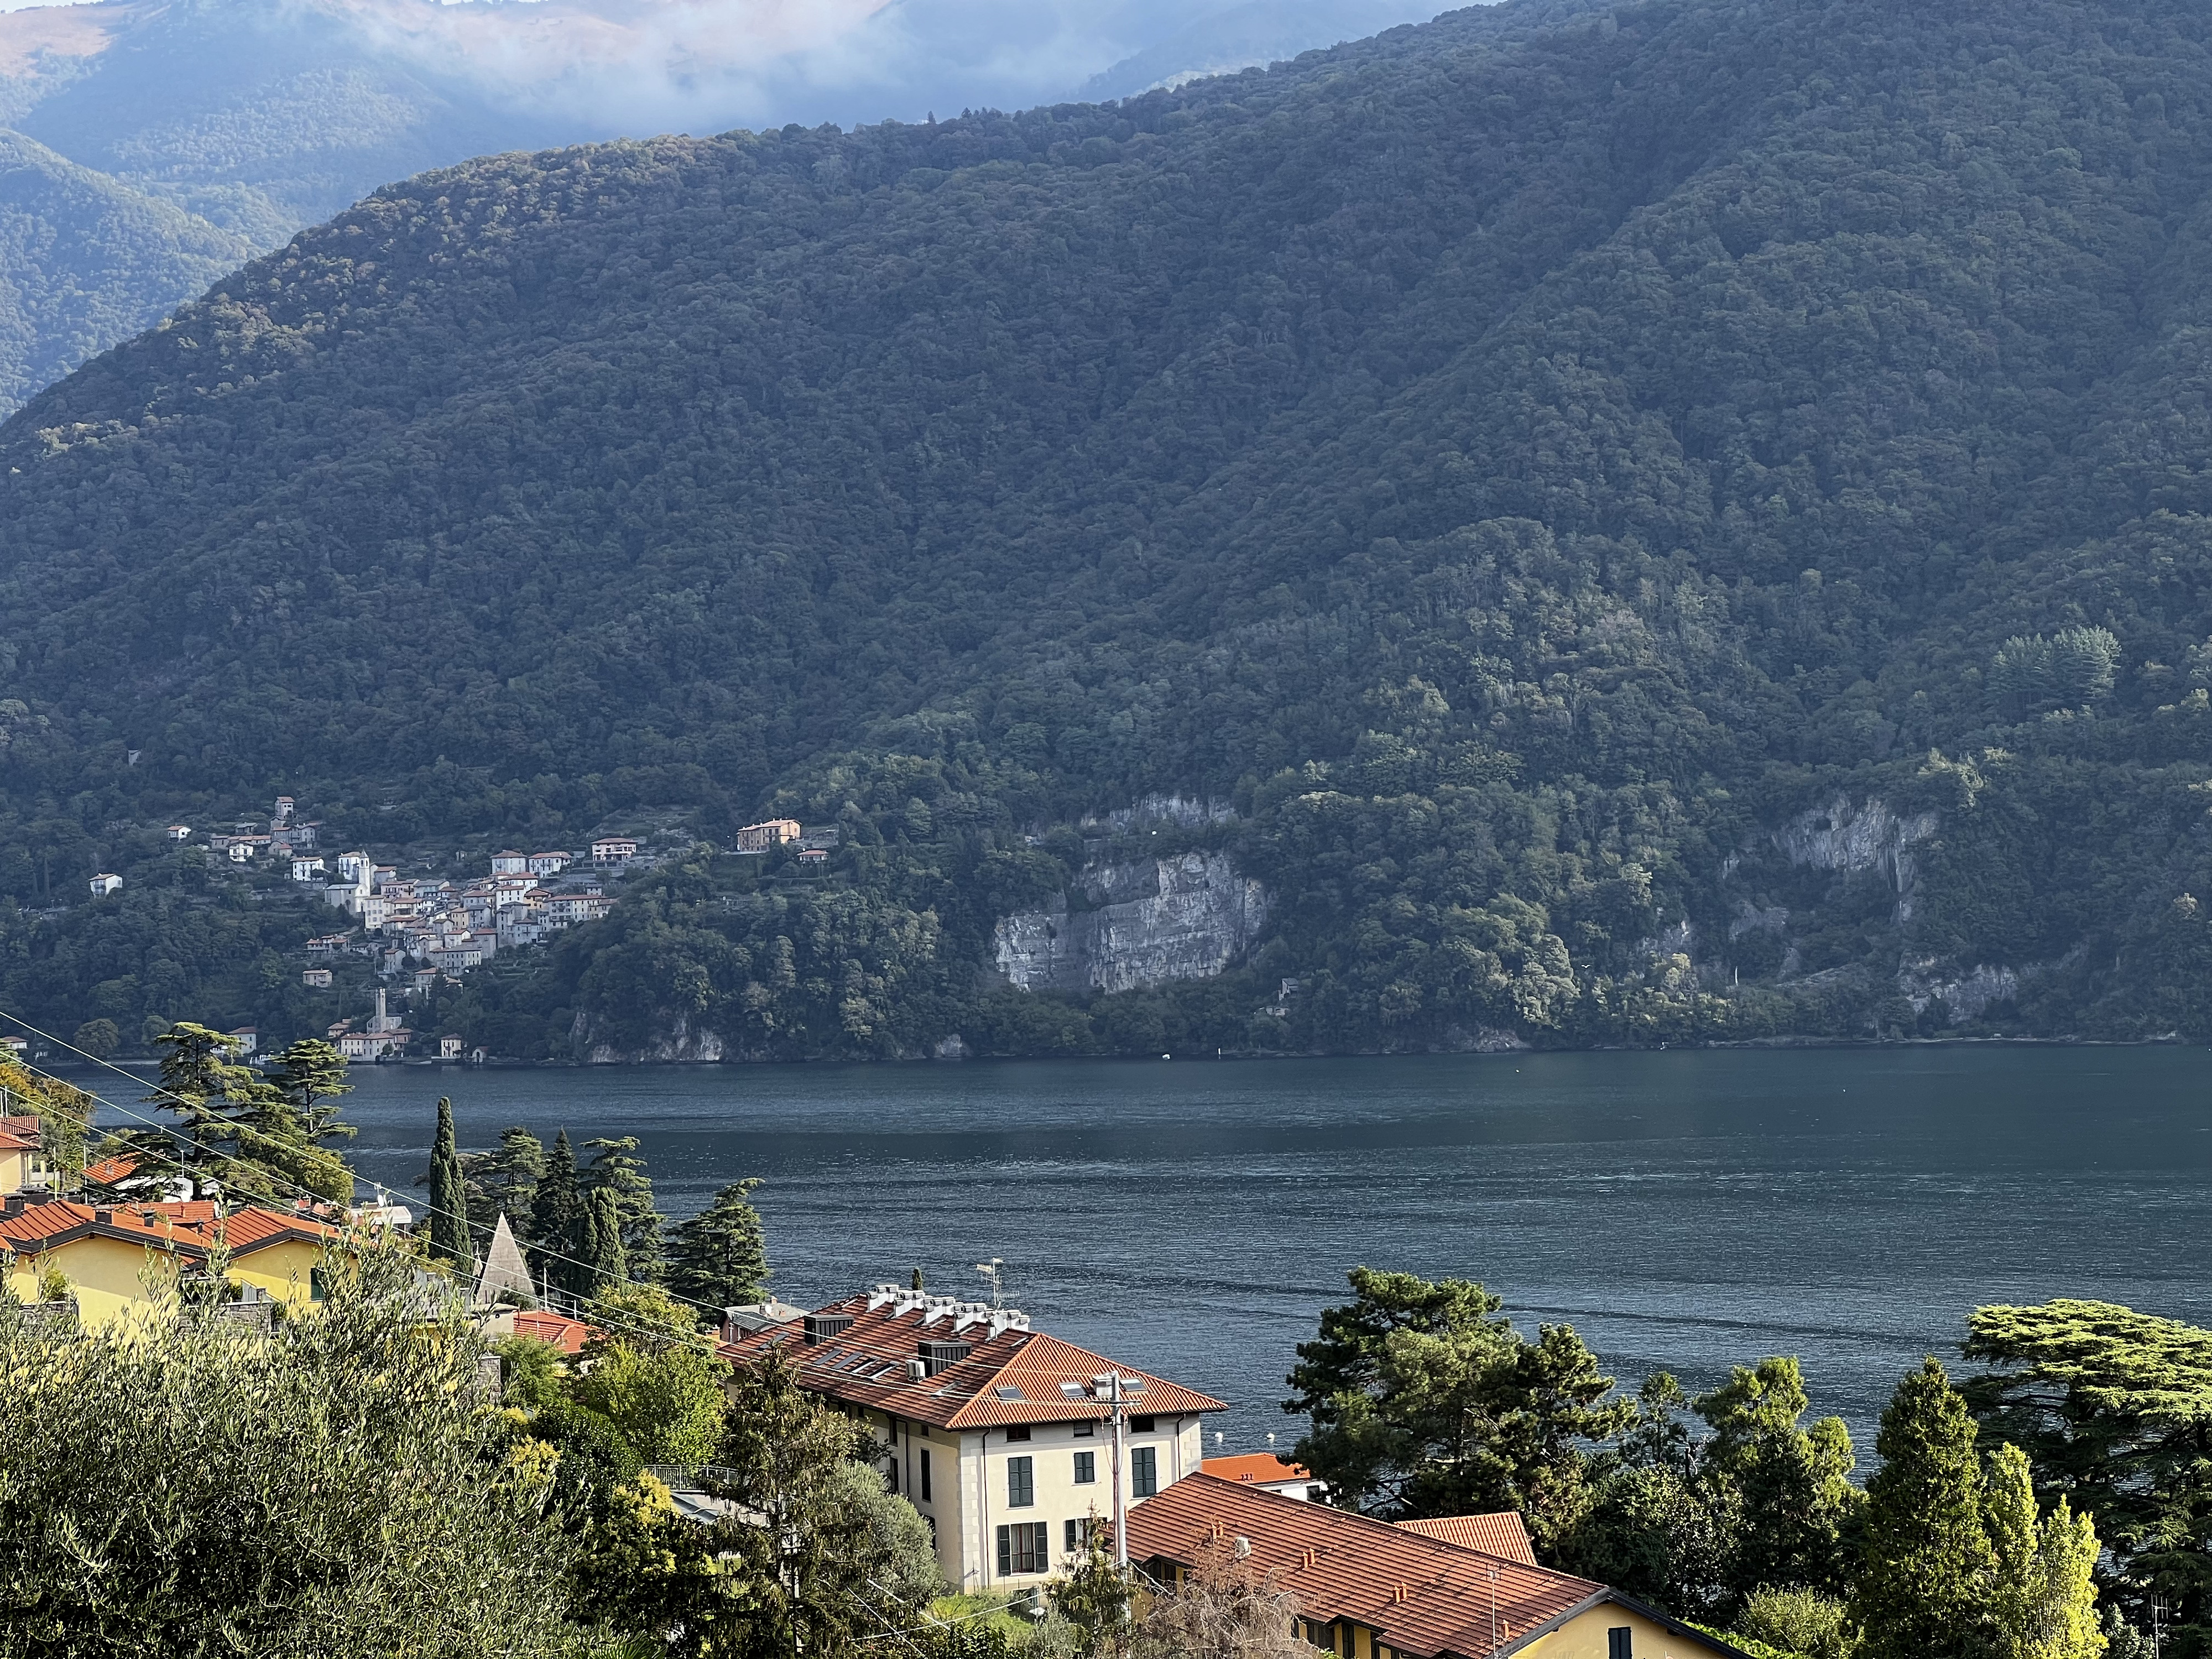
x: 116, y: 1256
x: 985, y: 1424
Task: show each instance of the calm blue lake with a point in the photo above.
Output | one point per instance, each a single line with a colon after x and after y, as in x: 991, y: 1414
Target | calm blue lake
x: 1682, y: 1209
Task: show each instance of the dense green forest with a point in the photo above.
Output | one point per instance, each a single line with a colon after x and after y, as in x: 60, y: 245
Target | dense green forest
x: 1671, y: 522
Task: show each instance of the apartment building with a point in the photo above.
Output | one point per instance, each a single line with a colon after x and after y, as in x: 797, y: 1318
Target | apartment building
x: 988, y: 1427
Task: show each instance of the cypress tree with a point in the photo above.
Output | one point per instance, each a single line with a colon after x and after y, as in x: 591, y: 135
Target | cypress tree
x: 2044, y: 1601
x: 720, y: 1256
x: 449, y: 1231
x: 558, y: 1216
x: 601, y: 1268
x: 1924, y: 1585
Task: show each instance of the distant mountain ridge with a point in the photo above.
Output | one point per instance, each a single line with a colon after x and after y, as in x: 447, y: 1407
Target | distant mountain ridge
x: 256, y: 118
x: 1651, y: 523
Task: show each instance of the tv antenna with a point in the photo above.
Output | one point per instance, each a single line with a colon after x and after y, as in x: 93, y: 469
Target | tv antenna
x: 994, y: 1270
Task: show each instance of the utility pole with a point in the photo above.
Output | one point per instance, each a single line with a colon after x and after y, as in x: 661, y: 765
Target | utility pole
x: 1114, y: 1390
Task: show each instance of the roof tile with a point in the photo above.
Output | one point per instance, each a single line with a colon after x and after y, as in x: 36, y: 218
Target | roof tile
x: 1427, y: 1596
x: 866, y: 1363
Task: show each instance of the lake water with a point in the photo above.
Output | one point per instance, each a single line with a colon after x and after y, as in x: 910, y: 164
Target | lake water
x: 1682, y: 1209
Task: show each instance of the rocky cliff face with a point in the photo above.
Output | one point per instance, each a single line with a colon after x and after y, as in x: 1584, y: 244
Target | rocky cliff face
x: 1184, y: 917
x: 1867, y: 834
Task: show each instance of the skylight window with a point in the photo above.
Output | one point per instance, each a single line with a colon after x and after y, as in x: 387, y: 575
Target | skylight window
x: 1009, y: 1392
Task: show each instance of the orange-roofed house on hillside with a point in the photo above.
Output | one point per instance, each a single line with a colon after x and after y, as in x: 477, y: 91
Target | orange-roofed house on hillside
x: 984, y: 1424
x: 1366, y: 1589
x: 1265, y: 1471
x: 103, y: 1249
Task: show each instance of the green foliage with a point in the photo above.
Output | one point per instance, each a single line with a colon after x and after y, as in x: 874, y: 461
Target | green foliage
x: 504, y: 1182
x: 1761, y: 1505
x: 559, y: 1215
x: 1921, y: 1589
x: 1423, y: 1402
x: 2043, y: 1602
x: 1802, y: 1622
x: 652, y: 1377
x: 826, y: 1572
x: 719, y: 1257
x: 449, y: 1227
x: 2112, y: 1409
x: 1537, y: 543
x: 133, y: 1529
x: 240, y: 1130
x: 1785, y: 1490
x: 1093, y: 1595
x: 615, y: 1169
x: 644, y: 1569
x: 599, y: 1266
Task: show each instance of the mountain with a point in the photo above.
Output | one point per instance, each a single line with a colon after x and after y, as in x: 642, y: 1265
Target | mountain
x: 205, y: 131
x: 86, y: 261
x: 1642, y: 524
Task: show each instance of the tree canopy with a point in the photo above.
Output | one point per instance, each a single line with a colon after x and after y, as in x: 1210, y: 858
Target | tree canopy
x: 1678, y: 520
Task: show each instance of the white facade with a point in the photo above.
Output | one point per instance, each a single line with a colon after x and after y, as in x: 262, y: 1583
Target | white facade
x: 968, y: 1486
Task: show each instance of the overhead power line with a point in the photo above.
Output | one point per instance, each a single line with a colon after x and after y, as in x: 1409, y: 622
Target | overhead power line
x: 280, y: 1180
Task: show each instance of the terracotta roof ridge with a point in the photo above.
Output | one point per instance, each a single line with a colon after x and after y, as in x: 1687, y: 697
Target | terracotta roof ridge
x: 1307, y: 1506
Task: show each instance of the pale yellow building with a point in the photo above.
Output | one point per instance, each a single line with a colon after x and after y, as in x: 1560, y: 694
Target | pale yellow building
x: 986, y: 1426
x: 1366, y: 1589
x: 118, y: 1256
x: 22, y: 1165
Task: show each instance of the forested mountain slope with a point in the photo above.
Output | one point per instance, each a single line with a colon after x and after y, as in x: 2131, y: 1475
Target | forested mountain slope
x: 1663, y: 521
x: 206, y: 131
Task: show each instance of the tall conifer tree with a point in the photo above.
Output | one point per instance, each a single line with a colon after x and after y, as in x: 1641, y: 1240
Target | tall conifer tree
x: 720, y: 1256
x: 449, y: 1230
x: 600, y: 1265
x: 1922, y: 1592
x: 557, y: 1215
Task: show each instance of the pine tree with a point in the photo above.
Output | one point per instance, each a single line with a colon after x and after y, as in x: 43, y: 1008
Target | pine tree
x: 311, y: 1075
x: 615, y: 1167
x: 557, y: 1215
x: 1922, y: 1589
x: 504, y: 1182
x: 600, y: 1264
x: 449, y: 1232
x: 2042, y: 1601
x: 720, y: 1256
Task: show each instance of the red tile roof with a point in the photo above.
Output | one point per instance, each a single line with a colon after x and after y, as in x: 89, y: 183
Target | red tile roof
x: 1425, y: 1597
x: 109, y: 1170
x: 1493, y: 1535
x: 187, y: 1228
x: 1010, y: 1374
x: 1254, y: 1469
x: 567, y: 1334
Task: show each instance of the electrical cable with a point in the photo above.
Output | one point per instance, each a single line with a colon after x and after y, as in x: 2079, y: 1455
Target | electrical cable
x: 297, y: 1189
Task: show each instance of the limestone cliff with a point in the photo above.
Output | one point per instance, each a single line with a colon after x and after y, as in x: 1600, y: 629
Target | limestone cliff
x: 1187, y: 916
x: 1866, y: 835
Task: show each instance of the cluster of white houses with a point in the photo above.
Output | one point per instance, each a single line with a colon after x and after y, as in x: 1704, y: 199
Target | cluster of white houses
x: 453, y: 926
x: 1013, y: 1444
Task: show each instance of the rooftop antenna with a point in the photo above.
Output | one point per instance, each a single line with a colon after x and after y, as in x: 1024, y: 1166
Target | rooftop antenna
x: 994, y: 1270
